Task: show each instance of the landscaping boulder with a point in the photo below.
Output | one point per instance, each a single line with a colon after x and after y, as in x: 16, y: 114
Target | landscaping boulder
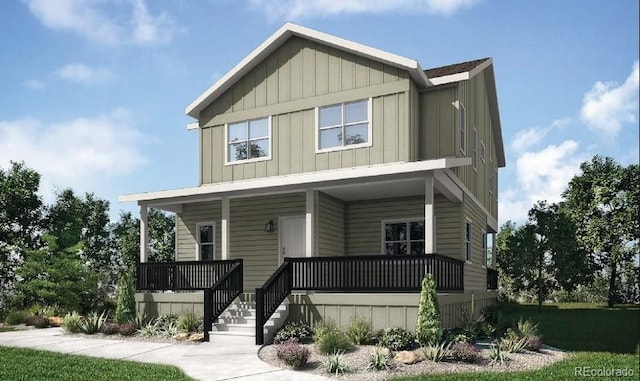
x: 182, y: 336
x: 196, y: 337
x: 55, y: 321
x: 406, y: 357
x: 418, y: 352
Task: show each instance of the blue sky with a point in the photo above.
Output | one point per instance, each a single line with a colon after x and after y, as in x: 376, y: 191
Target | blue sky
x: 95, y: 91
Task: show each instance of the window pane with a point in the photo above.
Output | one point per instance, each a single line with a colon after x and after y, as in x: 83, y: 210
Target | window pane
x: 331, y: 116
x: 237, y: 151
x: 356, y: 134
x: 259, y: 128
x: 237, y: 131
x: 417, y: 248
x: 206, y: 252
x: 206, y: 234
x: 355, y: 112
x: 395, y: 232
x: 399, y: 248
x: 259, y: 148
x: 417, y: 230
x: 331, y: 137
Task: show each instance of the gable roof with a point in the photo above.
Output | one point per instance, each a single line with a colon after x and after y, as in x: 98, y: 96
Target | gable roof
x: 280, y: 37
x: 458, y: 71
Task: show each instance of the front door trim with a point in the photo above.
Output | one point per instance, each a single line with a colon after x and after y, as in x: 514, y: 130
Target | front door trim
x: 281, y: 219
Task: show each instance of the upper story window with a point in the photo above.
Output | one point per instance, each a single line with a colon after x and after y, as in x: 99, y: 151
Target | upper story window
x: 461, y: 128
x: 483, y: 152
x: 467, y: 241
x: 474, y: 150
x: 403, y: 237
x: 249, y: 140
x: 344, y: 125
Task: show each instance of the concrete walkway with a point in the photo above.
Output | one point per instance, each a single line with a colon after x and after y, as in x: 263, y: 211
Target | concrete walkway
x: 205, y: 361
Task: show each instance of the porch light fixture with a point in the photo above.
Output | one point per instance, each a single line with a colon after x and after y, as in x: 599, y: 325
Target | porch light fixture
x: 269, y: 227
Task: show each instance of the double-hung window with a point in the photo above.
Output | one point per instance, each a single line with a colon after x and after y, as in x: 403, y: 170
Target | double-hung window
x: 249, y: 140
x: 344, y: 125
x: 483, y: 152
x: 467, y: 241
x: 205, y: 241
x: 403, y: 237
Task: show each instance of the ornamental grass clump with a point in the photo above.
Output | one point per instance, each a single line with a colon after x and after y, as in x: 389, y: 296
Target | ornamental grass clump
x: 292, y: 353
x: 428, y: 324
x: 189, y: 322
x: 336, y: 363
x: 380, y: 359
x: 71, y: 322
x: 436, y: 352
x: 359, y: 331
x: 92, y: 323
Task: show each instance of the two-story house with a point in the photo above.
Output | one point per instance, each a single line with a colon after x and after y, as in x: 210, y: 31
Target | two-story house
x: 333, y: 176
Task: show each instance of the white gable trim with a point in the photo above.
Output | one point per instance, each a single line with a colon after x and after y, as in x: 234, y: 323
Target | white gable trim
x: 462, y: 76
x: 282, y: 35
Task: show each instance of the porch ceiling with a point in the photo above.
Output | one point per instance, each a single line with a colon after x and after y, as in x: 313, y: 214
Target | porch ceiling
x: 376, y: 190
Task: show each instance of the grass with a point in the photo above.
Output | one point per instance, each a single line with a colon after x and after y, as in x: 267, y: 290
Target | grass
x: 6, y: 329
x: 29, y: 364
x: 599, y: 337
x: 584, y: 327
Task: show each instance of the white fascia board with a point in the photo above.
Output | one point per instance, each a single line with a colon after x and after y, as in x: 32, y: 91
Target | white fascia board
x: 457, y: 77
x: 478, y: 69
x: 193, y: 126
x: 277, y: 39
x: 301, y: 179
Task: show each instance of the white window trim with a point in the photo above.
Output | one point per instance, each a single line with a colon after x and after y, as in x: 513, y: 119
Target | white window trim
x: 468, y: 250
x: 396, y: 221
x: 462, y: 125
x: 484, y: 249
x: 369, y: 142
x: 205, y: 223
x: 226, y: 143
x: 474, y: 149
x: 483, y: 151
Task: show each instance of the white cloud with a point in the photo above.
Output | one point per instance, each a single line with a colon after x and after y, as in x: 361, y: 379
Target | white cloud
x: 541, y: 175
x: 290, y: 9
x: 105, y: 23
x: 608, y: 106
x: 83, y: 74
x: 530, y: 137
x: 34, y: 84
x: 74, y: 153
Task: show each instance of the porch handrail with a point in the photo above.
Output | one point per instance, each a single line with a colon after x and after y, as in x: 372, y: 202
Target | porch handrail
x: 180, y: 275
x: 492, y: 279
x: 270, y: 295
x: 218, y: 297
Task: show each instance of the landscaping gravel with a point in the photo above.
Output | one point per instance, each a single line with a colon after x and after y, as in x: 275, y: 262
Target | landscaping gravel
x: 152, y: 339
x: 359, y: 358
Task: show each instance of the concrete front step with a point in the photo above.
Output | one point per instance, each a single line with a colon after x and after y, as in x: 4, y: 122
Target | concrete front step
x: 237, y: 324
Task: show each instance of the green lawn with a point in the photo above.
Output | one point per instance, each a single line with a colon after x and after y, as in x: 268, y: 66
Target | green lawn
x: 599, y: 337
x: 29, y: 364
x: 7, y: 329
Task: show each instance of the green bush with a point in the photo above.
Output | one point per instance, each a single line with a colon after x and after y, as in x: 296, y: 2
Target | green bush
x: 380, y: 359
x: 324, y: 327
x: 512, y: 342
x: 296, y: 331
x: 92, y: 323
x: 333, y: 341
x: 126, y: 305
x: 166, y: 319
x: 359, y: 331
x: 293, y: 353
x: 397, y: 339
x: 169, y: 330
x: 128, y: 328
x: 40, y: 321
x: 71, y: 322
x: 465, y: 352
x: 49, y: 311
x: 336, y: 363
x: 189, y: 322
x: 428, y: 324
x: 16, y: 317
x: 151, y: 329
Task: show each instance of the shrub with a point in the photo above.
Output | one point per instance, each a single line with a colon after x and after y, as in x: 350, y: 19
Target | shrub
x: 110, y: 328
x: 92, y: 323
x: 141, y: 320
x: 397, y: 339
x: 169, y: 330
x: 465, y: 352
x: 294, y: 331
x: 39, y: 321
x: 336, y: 363
x: 512, y: 342
x: 436, y: 352
x: 497, y: 355
x: 293, y: 353
x: 458, y: 335
x: 150, y: 330
x: 71, y: 322
x: 380, y: 359
x: 526, y: 328
x: 17, y: 317
x: 49, y: 311
x: 333, y: 341
x: 324, y: 327
x: 428, y: 325
x: 128, y: 328
x: 533, y: 343
x: 189, y: 322
x: 163, y: 320
x: 126, y: 305
x: 359, y: 331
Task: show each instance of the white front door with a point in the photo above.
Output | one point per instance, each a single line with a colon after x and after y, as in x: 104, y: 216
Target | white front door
x: 292, y: 236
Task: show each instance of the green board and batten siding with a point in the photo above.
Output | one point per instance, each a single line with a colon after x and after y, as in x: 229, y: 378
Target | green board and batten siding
x: 331, y: 226
x: 288, y: 85
x: 191, y: 215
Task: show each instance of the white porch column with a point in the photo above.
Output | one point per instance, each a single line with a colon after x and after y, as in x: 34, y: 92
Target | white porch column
x: 429, y: 216
x: 144, y: 234
x: 224, y: 239
x: 309, y: 241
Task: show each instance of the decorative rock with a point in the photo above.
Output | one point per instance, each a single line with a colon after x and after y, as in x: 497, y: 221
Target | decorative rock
x: 196, y: 337
x: 406, y: 357
x: 182, y: 336
x: 420, y: 354
x: 55, y: 321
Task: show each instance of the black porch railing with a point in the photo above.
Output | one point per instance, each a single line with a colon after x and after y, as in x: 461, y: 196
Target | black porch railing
x: 187, y: 275
x: 492, y: 279
x: 220, y: 296
x: 372, y: 273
